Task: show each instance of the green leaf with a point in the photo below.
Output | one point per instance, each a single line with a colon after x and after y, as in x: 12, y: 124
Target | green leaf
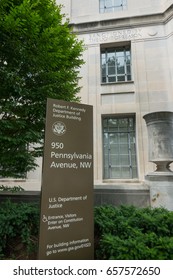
x: 39, y: 58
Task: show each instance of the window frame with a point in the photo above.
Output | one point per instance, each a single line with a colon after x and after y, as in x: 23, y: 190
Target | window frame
x: 110, y: 158
x: 105, y: 61
x: 115, y: 6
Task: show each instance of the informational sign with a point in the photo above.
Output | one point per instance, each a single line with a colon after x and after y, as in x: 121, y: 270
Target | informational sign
x: 66, y: 220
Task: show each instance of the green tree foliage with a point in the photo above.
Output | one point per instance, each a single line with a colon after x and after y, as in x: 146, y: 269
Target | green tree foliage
x: 39, y: 57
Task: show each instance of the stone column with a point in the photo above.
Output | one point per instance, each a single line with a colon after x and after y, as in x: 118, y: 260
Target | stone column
x: 160, y: 152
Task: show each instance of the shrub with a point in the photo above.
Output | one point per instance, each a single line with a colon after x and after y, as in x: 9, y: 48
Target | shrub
x: 122, y: 233
x: 13, y: 189
x: 19, y: 223
x: 130, y: 233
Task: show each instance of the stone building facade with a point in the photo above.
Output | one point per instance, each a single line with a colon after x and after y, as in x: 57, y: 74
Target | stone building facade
x: 128, y: 72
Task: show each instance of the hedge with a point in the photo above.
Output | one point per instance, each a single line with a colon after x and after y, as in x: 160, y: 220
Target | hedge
x: 121, y: 233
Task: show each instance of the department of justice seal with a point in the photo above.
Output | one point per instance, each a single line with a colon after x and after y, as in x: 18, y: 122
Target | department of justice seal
x: 59, y: 128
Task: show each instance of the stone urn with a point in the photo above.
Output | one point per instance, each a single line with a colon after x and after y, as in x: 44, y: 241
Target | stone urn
x: 160, y: 139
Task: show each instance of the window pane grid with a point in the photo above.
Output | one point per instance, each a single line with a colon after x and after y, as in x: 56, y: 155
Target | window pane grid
x: 112, y: 5
x: 119, y: 148
x: 116, y: 65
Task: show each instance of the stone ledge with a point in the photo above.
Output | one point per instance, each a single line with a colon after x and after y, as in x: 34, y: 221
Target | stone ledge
x: 116, y: 195
x: 160, y: 177
x: 132, y: 21
x: 22, y: 196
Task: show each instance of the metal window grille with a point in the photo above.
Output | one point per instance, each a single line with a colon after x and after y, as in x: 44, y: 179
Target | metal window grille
x: 116, y: 65
x: 119, y: 148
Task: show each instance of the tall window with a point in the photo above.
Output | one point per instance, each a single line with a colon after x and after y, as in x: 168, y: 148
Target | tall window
x: 116, y: 64
x: 119, y: 148
x: 107, y: 6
